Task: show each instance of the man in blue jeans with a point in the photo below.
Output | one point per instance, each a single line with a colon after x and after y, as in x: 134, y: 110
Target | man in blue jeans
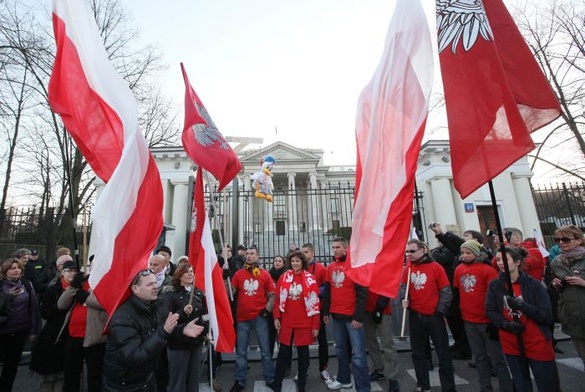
x: 254, y: 289
x: 344, y: 304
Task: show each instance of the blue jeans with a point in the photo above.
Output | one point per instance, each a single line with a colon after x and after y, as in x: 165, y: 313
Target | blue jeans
x: 244, y: 329
x: 342, y: 329
x: 545, y: 374
x: 421, y: 328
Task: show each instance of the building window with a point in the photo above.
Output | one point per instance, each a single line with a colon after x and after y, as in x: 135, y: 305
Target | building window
x: 303, y: 227
x: 257, y: 228
x: 279, y: 205
x: 280, y: 227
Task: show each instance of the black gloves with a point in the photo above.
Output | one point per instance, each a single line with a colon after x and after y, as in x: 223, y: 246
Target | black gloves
x: 81, y: 296
x: 515, y: 303
x: 264, y: 313
x: 78, y: 280
x: 516, y: 327
x: 377, y: 316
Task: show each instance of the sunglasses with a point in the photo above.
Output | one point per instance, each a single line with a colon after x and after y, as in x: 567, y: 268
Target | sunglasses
x: 412, y: 251
x: 144, y: 272
x: 564, y: 240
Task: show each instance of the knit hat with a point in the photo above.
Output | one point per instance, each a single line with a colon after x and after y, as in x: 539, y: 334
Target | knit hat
x: 70, y: 265
x: 473, y: 246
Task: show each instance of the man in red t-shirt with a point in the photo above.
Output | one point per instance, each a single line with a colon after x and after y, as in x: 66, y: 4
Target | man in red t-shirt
x: 319, y: 272
x: 254, y: 290
x: 429, y: 297
x: 344, y: 305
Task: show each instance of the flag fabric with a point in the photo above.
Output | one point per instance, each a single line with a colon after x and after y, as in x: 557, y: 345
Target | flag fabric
x: 208, y: 273
x: 100, y: 113
x: 540, y: 243
x: 495, y: 92
x: 391, y: 117
x: 203, y: 142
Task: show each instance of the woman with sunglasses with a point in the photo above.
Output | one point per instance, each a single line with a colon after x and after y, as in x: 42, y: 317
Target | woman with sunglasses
x: 184, y: 353
x: 568, y: 270
x: 19, y: 319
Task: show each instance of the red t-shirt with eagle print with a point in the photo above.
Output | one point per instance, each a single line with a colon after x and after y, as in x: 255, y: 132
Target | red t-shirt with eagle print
x: 252, y: 293
x: 426, y: 280
x: 342, y: 289
x: 472, y: 280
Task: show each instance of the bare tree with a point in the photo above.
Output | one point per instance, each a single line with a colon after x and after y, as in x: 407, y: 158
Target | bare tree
x: 555, y: 33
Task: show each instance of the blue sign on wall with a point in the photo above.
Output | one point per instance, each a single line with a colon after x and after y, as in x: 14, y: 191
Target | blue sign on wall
x: 469, y: 207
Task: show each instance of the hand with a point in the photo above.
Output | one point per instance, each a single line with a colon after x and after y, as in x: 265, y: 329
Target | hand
x: 377, y: 316
x: 575, y: 281
x: 264, y: 313
x: 326, y: 320
x: 436, y: 228
x: 277, y: 324
x: 356, y: 324
x: 404, y: 304
x: 557, y: 283
x: 77, y: 281
x: 515, y: 303
x: 192, y: 330
x: 15, y: 291
x: 516, y: 327
x: 315, y: 333
x: 171, y: 322
x: 188, y: 309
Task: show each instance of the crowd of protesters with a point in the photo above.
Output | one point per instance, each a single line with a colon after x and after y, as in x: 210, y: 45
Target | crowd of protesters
x: 154, y: 340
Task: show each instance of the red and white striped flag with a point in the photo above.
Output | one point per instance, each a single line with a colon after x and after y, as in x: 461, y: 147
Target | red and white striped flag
x: 391, y: 118
x: 208, y: 273
x: 100, y: 113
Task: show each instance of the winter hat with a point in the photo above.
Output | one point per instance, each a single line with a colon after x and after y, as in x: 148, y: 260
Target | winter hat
x: 473, y: 246
x: 164, y: 248
x: 70, y: 265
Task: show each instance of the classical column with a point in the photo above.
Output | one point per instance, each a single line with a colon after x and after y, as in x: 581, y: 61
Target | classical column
x: 443, y: 202
x: 325, y: 216
x: 292, y: 202
x: 248, y: 209
x: 181, y: 216
x: 526, y: 207
x: 313, y: 201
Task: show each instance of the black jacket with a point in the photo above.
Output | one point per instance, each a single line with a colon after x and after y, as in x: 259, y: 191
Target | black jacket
x: 134, y: 345
x: 48, y: 352
x: 174, y: 302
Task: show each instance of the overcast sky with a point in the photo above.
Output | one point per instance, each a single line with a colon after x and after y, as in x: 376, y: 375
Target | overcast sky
x: 279, y: 70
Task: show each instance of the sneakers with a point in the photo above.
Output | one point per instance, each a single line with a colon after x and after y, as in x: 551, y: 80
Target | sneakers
x: 420, y: 389
x: 325, y: 375
x: 334, y: 385
x: 377, y: 375
x: 393, y: 386
x: 237, y: 387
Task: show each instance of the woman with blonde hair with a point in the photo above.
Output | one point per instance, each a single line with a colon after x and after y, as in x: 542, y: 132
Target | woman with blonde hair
x: 568, y: 270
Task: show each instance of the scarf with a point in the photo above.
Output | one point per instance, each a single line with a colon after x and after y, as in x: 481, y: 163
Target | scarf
x: 160, y: 278
x: 570, y: 257
x: 253, y: 268
x: 309, y: 290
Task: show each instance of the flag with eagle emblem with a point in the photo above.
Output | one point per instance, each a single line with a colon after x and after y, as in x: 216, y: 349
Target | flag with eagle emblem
x: 203, y: 142
x: 495, y: 92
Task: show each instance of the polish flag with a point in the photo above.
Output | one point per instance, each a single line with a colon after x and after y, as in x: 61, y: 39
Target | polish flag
x: 495, y: 92
x: 100, y: 113
x: 208, y: 273
x: 391, y: 117
x: 202, y: 141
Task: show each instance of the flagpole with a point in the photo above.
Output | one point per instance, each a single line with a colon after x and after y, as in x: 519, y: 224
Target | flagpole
x: 507, y: 276
x: 222, y: 244
x: 404, y: 309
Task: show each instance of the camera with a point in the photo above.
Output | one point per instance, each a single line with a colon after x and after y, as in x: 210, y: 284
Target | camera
x: 432, y: 225
x: 490, y: 233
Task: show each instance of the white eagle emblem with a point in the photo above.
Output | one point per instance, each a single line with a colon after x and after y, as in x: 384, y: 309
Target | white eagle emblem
x: 418, y: 280
x: 251, y: 287
x: 207, y: 134
x: 468, y: 282
x: 282, y: 299
x: 295, y: 291
x: 311, y: 303
x: 463, y: 20
x: 338, y: 278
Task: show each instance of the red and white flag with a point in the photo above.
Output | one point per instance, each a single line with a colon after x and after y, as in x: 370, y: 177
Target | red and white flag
x: 208, y: 273
x: 100, y: 113
x: 391, y: 117
x: 204, y: 143
x: 495, y: 92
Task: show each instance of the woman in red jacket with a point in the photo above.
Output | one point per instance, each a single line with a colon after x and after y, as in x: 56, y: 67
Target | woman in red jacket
x: 296, y: 316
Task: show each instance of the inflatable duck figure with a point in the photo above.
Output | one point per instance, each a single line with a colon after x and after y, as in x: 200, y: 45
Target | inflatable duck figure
x: 262, y: 180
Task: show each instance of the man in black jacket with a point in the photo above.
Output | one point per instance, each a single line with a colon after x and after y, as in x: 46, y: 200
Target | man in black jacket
x: 137, y: 338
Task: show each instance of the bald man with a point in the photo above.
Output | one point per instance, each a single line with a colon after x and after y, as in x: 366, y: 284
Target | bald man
x: 158, y: 264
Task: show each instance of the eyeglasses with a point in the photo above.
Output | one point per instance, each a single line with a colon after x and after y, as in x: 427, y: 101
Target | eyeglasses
x: 412, y: 251
x: 564, y: 240
x: 144, y: 272
x: 70, y: 271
